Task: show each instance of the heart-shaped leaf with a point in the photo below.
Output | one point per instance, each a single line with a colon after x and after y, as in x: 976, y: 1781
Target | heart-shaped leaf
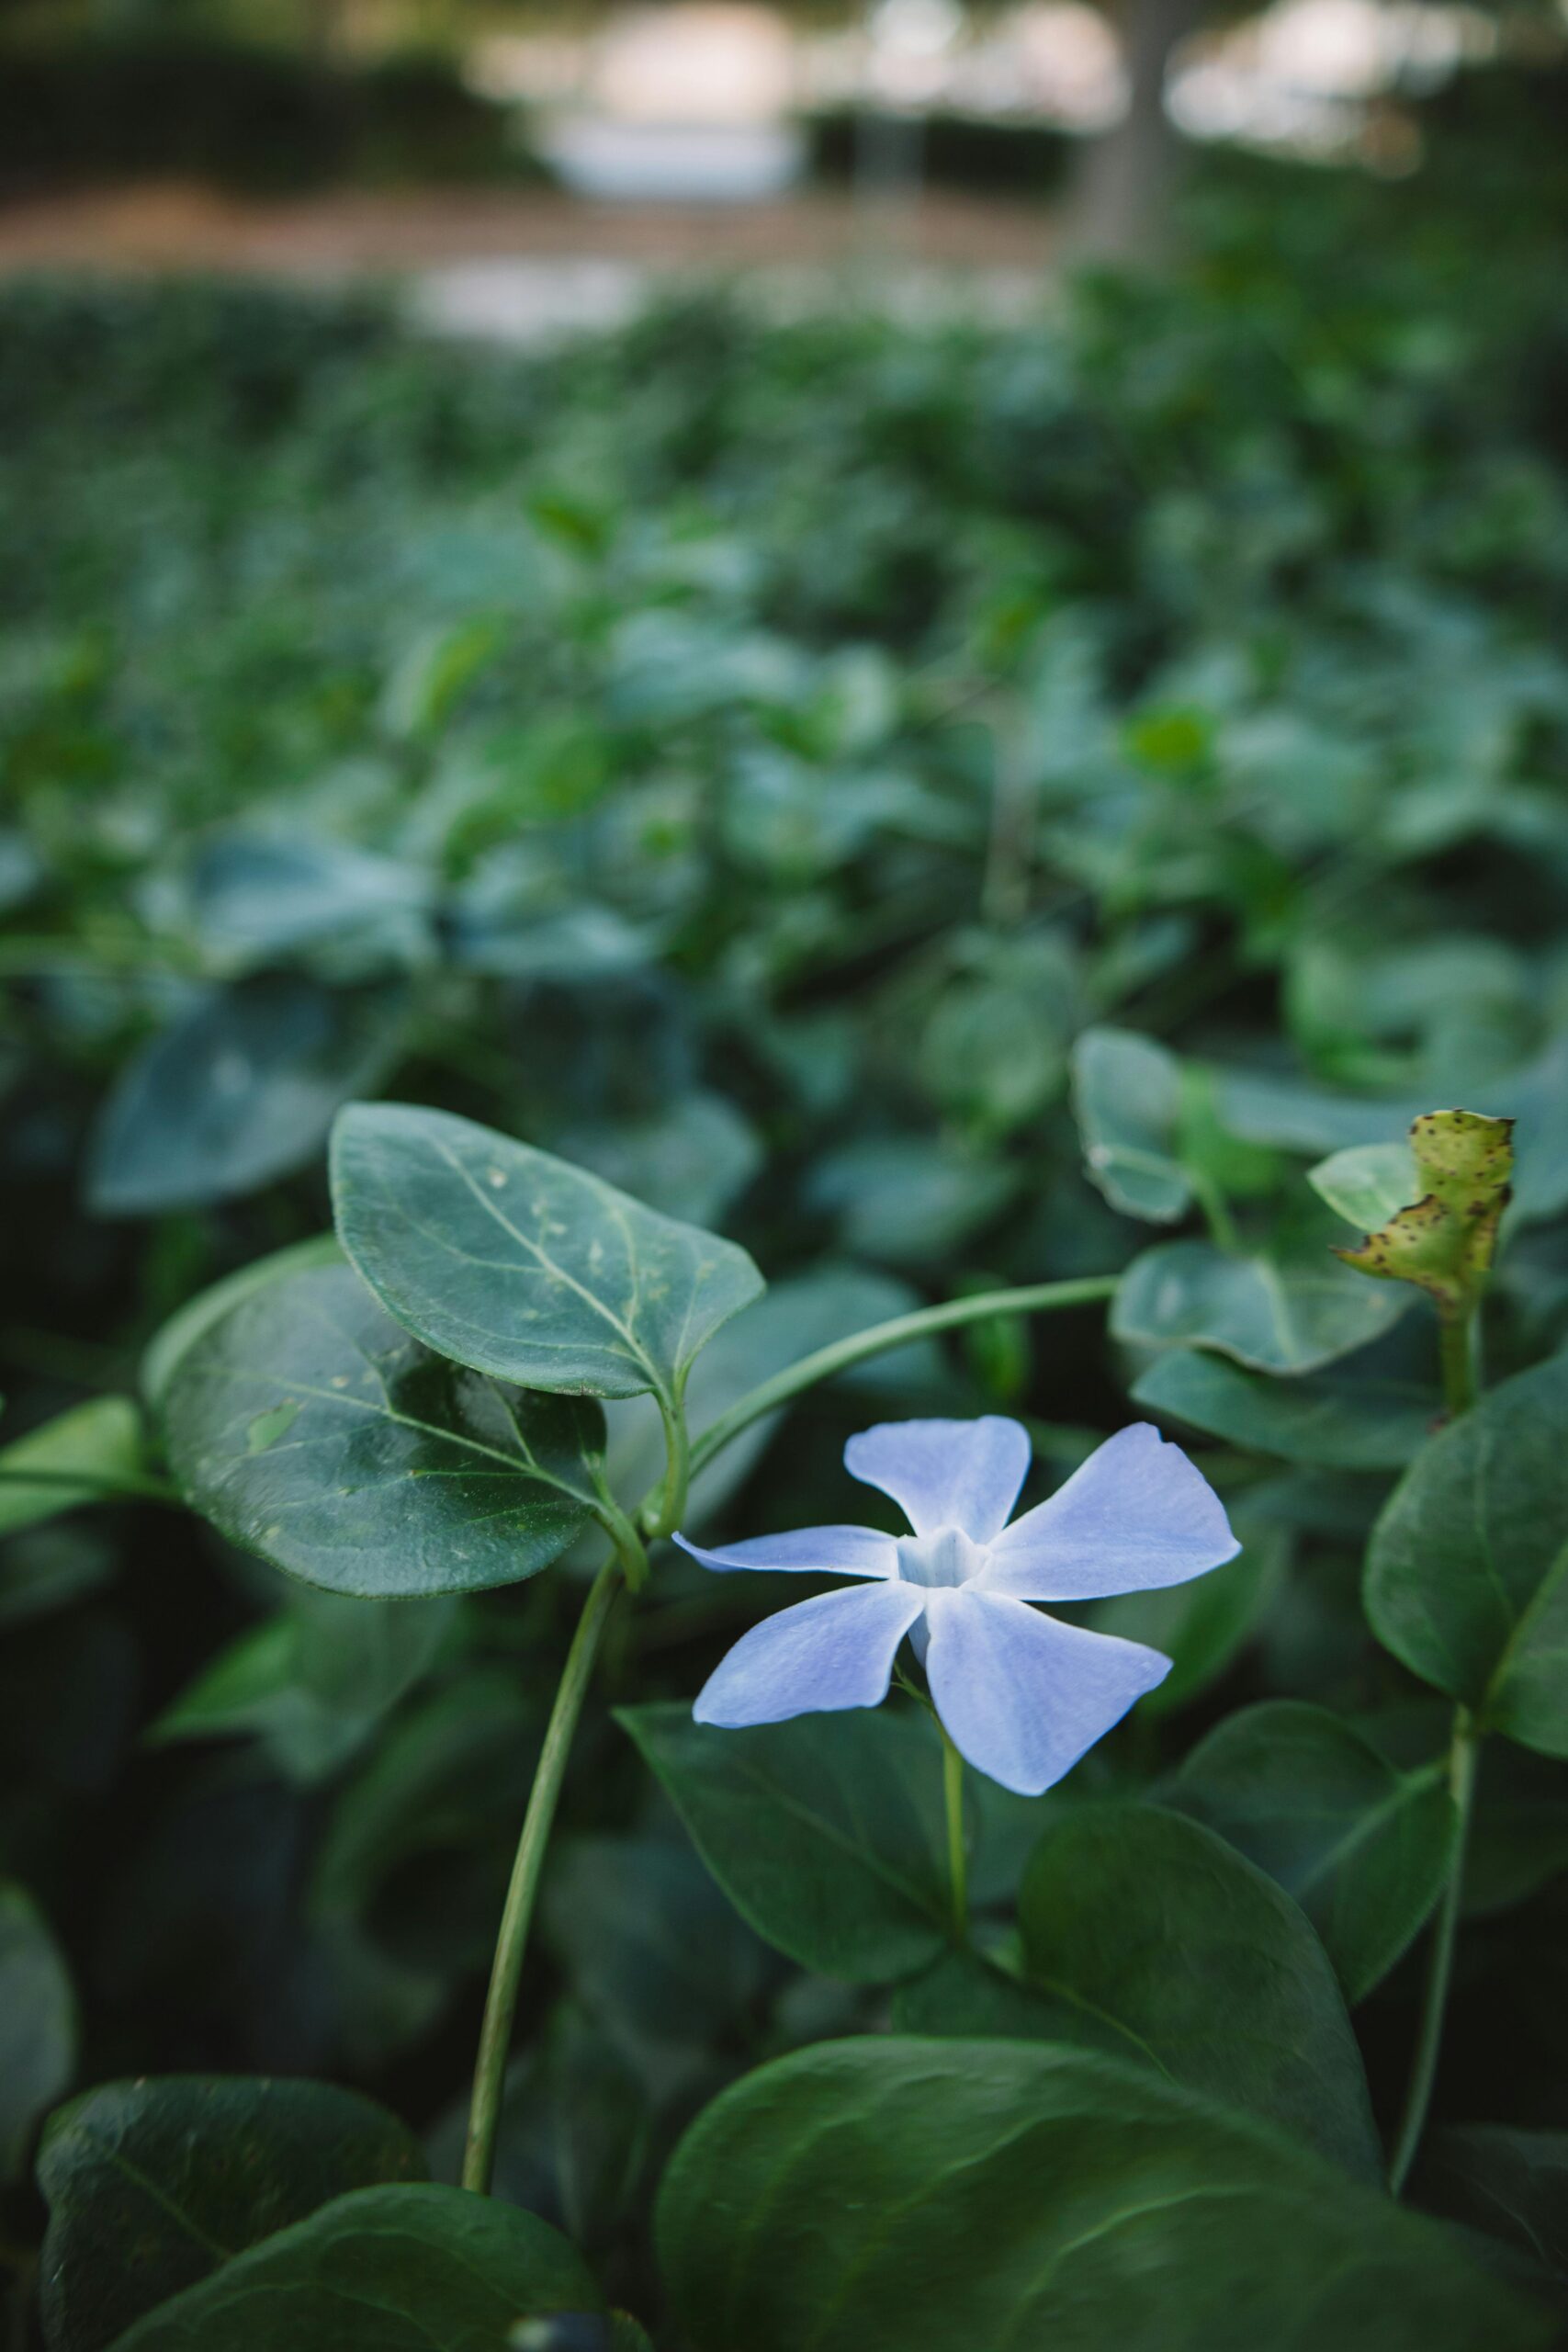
x: 1215, y: 1977
x: 1363, y: 1848
x: 1284, y: 1310
x: 522, y: 1266
x: 154, y: 2186
x: 885, y: 2195
x: 826, y: 1833
x: 239, y: 1089
x: 38, y: 2024
x: 417, y: 2269
x: 310, y: 1428
x: 1326, y: 1422
x: 1467, y: 1575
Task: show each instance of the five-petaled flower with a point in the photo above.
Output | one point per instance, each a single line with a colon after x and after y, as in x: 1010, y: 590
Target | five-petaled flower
x: 1021, y: 1694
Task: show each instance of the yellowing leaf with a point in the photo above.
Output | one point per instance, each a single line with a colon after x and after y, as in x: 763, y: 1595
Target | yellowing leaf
x: 1444, y: 1241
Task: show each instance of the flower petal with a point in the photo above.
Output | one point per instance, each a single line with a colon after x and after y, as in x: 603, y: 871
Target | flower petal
x: 1023, y: 1696
x: 836, y: 1650
x: 1137, y: 1516
x: 806, y: 1551
x: 945, y: 1474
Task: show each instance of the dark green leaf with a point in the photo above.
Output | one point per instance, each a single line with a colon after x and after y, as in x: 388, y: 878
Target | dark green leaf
x: 308, y: 1427
x: 1285, y: 1310
x: 240, y: 1091
x: 1363, y: 1848
x: 909, y: 2196
x: 1127, y: 1096
x: 1510, y: 2183
x: 421, y: 2269
x: 1211, y: 1972
x: 1465, y: 1577
x: 155, y: 2185
x: 1335, y: 1423
x: 825, y: 1833
x: 526, y: 1268
x: 181, y: 1331
x: 38, y: 2024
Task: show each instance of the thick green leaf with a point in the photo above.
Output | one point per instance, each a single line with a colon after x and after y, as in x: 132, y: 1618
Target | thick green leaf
x: 1368, y: 1183
x: 86, y: 1455
x: 1334, y: 1424
x: 181, y: 1331
x: 1363, y: 1848
x: 1211, y: 1972
x: 155, y: 2185
x: 970, y: 1997
x: 1513, y: 2184
x: 38, y: 2024
x: 421, y: 2269
x: 1466, y: 1578
x: 238, y: 1092
x: 522, y: 1266
x: 825, y: 1833
x: 1287, y: 1310
x: 909, y: 2195
x: 650, y: 1945
x: 1127, y: 1097
x: 310, y: 1428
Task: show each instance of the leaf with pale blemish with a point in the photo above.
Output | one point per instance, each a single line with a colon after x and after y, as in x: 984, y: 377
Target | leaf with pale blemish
x: 308, y: 1426
x: 1445, y: 1240
x: 522, y: 1266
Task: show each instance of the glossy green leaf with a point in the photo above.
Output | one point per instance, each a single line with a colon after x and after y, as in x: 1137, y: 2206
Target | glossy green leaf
x: 154, y: 2186
x: 1127, y: 1098
x: 910, y: 2195
x: 1211, y: 1972
x: 1467, y: 1575
x: 522, y: 1266
x: 38, y: 2024
x: 86, y: 1455
x: 183, y: 1327
x: 1328, y: 1422
x: 1368, y: 1183
x: 1511, y: 2183
x: 310, y: 1428
x: 825, y: 1833
x: 239, y: 1092
x: 417, y: 2269
x: 1286, y: 1310
x: 1363, y: 1848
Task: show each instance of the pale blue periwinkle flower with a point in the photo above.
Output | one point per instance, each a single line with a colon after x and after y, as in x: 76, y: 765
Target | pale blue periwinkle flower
x: 1021, y: 1694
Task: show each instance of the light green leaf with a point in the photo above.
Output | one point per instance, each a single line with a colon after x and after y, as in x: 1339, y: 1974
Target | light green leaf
x: 522, y: 1266
x: 825, y: 1833
x: 1127, y: 1097
x: 1467, y: 1576
x: 1330, y: 1423
x: 310, y: 1428
x: 154, y: 2186
x: 89, y: 1454
x: 238, y: 1092
x: 1364, y: 1849
x: 1211, y: 1972
x: 1368, y: 1183
x: 416, y: 2270
x: 1285, y: 1310
x: 887, y: 2195
x: 38, y: 2024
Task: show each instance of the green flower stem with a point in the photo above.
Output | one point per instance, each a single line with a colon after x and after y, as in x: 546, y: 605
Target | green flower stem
x: 1038, y: 1298
x: 1463, y: 1755
x: 501, y: 2005
x: 957, y: 1859
x: 623, y: 1534
x: 663, y: 1513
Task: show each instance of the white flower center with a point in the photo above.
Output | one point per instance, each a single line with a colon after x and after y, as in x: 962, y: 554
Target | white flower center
x: 947, y: 1558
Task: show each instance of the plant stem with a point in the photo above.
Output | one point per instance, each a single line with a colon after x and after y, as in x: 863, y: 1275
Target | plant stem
x: 664, y: 1515
x: 623, y: 1534
x: 957, y: 1861
x: 1038, y: 1298
x: 1463, y: 1755
x: 1457, y: 1341
x: 501, y: 2003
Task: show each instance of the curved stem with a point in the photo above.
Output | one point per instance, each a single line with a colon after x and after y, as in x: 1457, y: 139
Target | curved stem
x: 664, y: 1515
x: 624, y: 1536
x: 1038, y: 1298
x: 958, y: 1859
x: 501, y: 2003
x: 1463, y: 1755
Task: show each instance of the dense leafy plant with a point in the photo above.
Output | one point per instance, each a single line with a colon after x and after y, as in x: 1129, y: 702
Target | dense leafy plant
x: 1046, y: 843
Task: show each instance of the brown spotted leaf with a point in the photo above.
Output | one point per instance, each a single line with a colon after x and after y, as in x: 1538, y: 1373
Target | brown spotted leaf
x: 1444, y: 1241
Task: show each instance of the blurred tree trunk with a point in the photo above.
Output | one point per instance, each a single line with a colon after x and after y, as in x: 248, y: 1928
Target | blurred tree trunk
x: 1118, y: 206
